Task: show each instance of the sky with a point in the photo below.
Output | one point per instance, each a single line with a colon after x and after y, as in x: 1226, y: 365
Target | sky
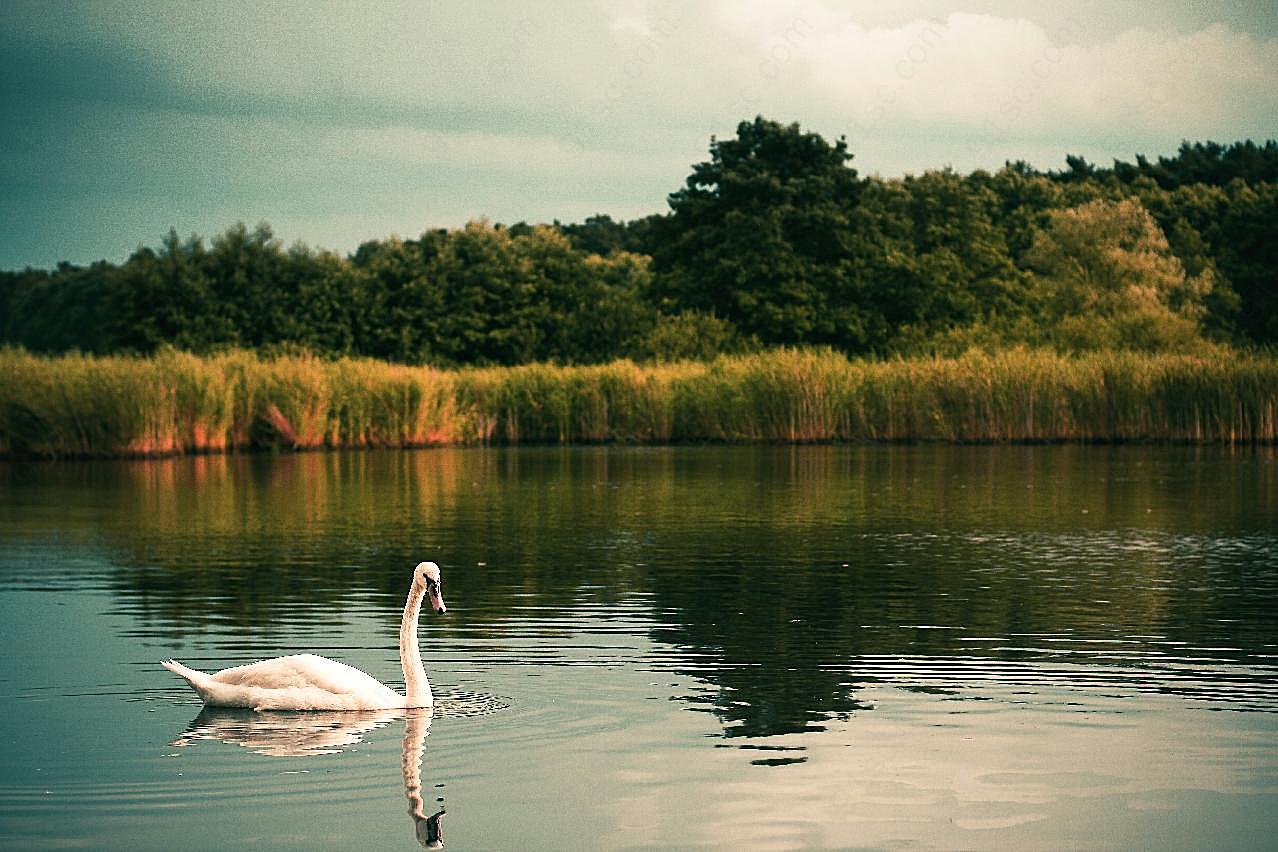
x: 337, y: 123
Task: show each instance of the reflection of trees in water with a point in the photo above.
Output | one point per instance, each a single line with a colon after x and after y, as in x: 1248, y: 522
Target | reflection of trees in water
x: 771, y: 567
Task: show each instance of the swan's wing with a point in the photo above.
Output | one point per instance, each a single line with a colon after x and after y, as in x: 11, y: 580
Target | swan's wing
x: 300, y: 671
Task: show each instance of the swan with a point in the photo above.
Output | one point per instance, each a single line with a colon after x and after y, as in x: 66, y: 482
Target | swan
x: 310, y: 682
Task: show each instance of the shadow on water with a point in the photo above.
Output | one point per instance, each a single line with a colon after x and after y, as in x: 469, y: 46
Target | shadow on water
x: 311, y: 734
x: 783, y: 579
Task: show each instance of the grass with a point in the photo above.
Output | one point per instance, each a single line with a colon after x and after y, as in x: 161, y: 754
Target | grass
x: 174, y: 402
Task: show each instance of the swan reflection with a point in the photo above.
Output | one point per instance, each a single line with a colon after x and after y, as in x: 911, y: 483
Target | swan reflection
x: 300, y: 734
x: 307, y: 734
x: 427, y: 828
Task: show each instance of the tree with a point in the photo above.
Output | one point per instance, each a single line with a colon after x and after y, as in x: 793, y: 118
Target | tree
x: 56, y: 311
x: 321, y: 293
x: 593, y: 306
x: 487, y: 294
x: 1113, y: 282
x: 1078, y: 170
x: 689, y: 336
x: 1238, y: 224
x: 762, y: 236
x: 1209, y: 163
x: 1192, y: 217
x: 951, y: 266
x: 243, y: 269
x: 399, y: 303
x: 1247, y: 252
x: 166, y: 297
x: 602, y: 235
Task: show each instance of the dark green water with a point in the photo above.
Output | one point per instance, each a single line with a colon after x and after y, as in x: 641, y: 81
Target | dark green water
x: 821, y: 647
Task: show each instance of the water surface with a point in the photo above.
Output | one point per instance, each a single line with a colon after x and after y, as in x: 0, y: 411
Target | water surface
x: 775, y: 647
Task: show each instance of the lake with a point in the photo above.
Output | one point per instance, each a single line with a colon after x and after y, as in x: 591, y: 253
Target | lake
x: 717, y: 647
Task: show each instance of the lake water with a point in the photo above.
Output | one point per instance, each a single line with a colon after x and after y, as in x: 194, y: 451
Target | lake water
x: 767, y: 647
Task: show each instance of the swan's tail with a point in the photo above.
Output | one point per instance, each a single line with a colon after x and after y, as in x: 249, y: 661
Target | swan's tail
x: 196, y: 679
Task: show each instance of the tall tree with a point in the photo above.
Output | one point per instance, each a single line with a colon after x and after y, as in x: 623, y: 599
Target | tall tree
x: 1113, y: 281
x: 166, y: 297
x: 953, y: 268
x: 762, y: 235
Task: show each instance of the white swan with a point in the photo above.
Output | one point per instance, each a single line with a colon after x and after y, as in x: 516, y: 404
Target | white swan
x: 308, y: 682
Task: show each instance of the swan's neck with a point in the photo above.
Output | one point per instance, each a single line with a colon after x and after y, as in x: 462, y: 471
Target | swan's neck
x: 416, y: 686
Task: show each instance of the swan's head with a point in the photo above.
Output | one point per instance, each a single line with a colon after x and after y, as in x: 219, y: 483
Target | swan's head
x: 426, y: 577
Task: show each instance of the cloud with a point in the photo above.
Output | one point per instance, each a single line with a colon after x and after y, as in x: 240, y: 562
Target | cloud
x: 1009, y: 78
x: 419, y: 114
x: 616, y: 76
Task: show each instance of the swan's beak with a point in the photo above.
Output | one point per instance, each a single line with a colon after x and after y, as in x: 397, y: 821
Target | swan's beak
x: 437, y: 603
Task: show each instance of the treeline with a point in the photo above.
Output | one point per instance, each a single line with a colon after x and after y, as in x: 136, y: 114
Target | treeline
x: 775, y: 240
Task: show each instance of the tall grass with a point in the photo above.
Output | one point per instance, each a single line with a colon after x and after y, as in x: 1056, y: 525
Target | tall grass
x: 76, y: 405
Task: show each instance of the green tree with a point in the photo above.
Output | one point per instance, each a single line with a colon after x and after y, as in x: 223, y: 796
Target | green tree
x: 398, y: 304
x: 689, y: 336
x: 1238, y: 227
x: 1112, y: 281
x: 319, y: 292
x: 762, y: 236
x: 245, y: 270
x: 56, y: 311
x: 602, y: 235
x: 1023, y: 202
x: 489, y: 310
x: 1207, y: 163
x: 166, y: 297
x: 949, y: 265
x: 1182, y: 214
x: 1247, y: 252
x: 485, y: 294
x: 590, y: 306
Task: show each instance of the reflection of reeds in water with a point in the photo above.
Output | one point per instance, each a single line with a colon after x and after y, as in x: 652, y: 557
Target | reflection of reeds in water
x: 180, y: 403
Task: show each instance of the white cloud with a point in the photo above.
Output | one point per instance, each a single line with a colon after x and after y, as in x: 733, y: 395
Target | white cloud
x: 420, y: 112
x: 1008, y: 77
x: 671, y: 70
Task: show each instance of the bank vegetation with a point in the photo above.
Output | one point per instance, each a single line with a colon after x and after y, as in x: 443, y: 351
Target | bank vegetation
x: 175, y: 402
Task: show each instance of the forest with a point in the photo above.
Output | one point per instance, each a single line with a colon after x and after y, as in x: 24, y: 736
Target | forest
x: 774, y: 241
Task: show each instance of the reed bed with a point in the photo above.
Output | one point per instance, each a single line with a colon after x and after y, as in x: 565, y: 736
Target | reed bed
x: 174, y: 402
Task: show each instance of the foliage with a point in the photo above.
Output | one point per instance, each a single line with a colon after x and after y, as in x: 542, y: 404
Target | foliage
x: 1112, y: 282
x: 772, y: 241
x: 762, y: 235
x: 690, y: 336
x: 1208, y: 163
x: 602, y: 235
x: 945, y: 262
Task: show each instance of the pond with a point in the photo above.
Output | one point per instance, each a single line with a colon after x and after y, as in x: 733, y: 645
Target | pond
x: 716, y: 647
